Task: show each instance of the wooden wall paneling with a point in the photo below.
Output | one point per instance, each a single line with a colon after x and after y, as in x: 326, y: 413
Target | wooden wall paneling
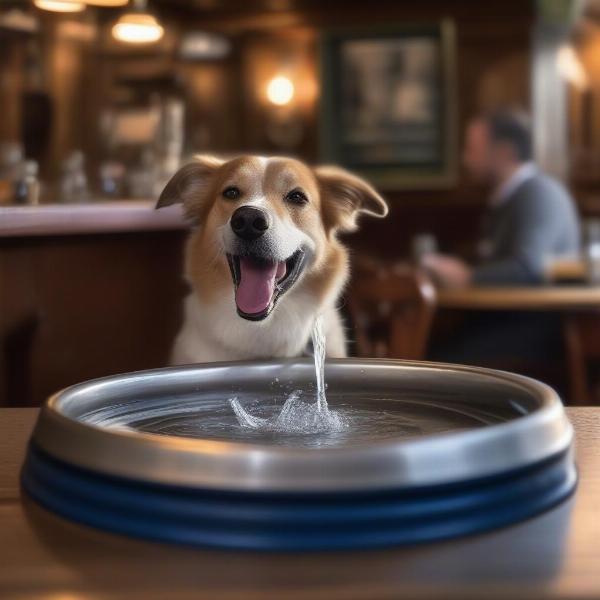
x: 241, y: 16
x: 85, y: 307
x: 293, y: 54
x: 549, y: 102
x: 19, y: 321
x: 584, y: 121
x: 213, y: 103
x: 11, y: 83
x: 65, y: 65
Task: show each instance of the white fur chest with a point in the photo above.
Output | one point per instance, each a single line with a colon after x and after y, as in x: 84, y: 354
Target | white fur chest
x: 215, y: 331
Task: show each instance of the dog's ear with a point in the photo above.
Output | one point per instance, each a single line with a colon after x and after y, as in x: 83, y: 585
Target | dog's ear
x: 344, y: 197
x: 190, y: 185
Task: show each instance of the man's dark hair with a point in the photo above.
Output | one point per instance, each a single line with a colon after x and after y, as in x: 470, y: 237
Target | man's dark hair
x: 512, y: 127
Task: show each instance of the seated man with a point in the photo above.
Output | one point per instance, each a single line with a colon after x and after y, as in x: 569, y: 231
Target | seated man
x: 530, y: 216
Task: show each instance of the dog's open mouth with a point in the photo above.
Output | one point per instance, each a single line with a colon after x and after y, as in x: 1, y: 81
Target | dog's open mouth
x: 259, y: 282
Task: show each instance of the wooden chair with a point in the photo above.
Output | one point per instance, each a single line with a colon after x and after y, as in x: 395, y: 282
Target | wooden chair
x: 582, y: 344
x: 392, y: 308
x: 581, y: 333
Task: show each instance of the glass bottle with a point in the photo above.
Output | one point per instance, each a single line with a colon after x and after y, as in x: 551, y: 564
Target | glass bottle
x: 27, y: 184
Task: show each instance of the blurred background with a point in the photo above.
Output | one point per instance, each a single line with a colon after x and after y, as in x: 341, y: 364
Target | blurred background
x: 102, y: 101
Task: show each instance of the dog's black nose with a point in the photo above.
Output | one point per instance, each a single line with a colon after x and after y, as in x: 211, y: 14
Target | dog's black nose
x: 249, y: 223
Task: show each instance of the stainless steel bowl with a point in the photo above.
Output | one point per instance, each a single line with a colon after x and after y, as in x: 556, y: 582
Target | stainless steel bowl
x: 486, y: 423
x: 431, y: 452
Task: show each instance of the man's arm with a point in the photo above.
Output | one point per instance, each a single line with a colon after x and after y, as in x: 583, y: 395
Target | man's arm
x: 448, y: 271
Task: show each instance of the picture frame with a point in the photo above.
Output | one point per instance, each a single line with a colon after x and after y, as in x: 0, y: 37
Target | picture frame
x: 388, y: 105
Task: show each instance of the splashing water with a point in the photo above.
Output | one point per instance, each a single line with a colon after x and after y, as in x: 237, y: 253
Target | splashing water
x: 298, y: 416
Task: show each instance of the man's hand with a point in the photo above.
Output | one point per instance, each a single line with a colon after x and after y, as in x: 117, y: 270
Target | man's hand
x: 447, y: 271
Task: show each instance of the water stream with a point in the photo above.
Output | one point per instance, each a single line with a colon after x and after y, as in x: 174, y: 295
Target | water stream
x: 297, y: 415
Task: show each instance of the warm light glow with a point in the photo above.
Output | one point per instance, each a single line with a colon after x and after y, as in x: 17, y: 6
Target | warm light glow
x: 280, y: 91
x: 570, y: 67
x: 137, y: 28
x: 76, y: 30
x: 105, y: 2
x: 202, y: 45
x: 66, y: 6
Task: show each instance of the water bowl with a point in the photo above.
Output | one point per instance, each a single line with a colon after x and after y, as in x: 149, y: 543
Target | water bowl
x: 426, y: 452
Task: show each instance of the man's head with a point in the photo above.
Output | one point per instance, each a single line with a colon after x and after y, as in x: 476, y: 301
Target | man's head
x: 496, y: 143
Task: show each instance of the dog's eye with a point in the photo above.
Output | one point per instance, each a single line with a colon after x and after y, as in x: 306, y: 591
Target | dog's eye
x: 296, y: 197
x: 231, y: 193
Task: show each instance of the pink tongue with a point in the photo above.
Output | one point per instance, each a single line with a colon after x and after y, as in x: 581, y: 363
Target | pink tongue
x: 257, y: 282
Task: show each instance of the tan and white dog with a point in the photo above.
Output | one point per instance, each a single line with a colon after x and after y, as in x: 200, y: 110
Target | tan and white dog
x: 263, y: 258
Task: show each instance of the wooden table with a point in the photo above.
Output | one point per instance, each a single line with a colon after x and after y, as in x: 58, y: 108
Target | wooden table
x: 562, y: 298
x: 571, y: 301
x: 555, y: 555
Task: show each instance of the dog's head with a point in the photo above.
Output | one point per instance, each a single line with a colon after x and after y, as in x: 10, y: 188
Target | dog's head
x: 272, y: 220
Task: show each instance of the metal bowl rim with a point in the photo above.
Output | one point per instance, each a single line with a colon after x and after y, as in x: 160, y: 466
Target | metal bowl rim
x: 549, y: 414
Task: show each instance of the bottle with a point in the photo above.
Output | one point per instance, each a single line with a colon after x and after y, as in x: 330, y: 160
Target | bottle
x: 11, y: 157
x: 592, y: 250
x: 27, y: 185
x: 422, y: 245
x: 169, y: 139
x: 112, y: 174
x: 73, y: 183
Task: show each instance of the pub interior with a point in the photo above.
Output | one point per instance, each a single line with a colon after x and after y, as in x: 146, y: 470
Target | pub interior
x: 92, y: 283
x: 95, y: 120
x: 471, y: 129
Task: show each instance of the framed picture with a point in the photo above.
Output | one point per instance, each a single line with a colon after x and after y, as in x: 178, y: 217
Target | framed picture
x: 389, y: 105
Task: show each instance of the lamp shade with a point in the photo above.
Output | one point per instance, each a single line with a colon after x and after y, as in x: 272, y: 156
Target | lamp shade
x: 108, y: 3
x: 137, y: 28
x: 64, y: 6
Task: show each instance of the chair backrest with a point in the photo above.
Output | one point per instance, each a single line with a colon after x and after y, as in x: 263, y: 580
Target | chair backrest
x: 392, y: 308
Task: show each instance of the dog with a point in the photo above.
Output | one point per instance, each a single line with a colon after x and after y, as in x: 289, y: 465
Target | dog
x: 263, y: 258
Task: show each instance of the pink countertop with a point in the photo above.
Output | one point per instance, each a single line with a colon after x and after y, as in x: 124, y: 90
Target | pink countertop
x: 94, y: 217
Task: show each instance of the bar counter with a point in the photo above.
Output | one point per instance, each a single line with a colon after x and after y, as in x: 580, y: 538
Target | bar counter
x: 87, y: 289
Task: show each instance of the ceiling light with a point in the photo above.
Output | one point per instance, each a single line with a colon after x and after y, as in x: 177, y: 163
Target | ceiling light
x: 138, y: 27
x: 19, y: 20
x: 65, y: 6
x: 202, y: 45
x: 105, y: 2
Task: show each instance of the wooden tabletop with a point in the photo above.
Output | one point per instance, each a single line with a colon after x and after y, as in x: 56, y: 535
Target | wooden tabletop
x: 92, y: 217
x: 565, y: 297
x: 555, y: 555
